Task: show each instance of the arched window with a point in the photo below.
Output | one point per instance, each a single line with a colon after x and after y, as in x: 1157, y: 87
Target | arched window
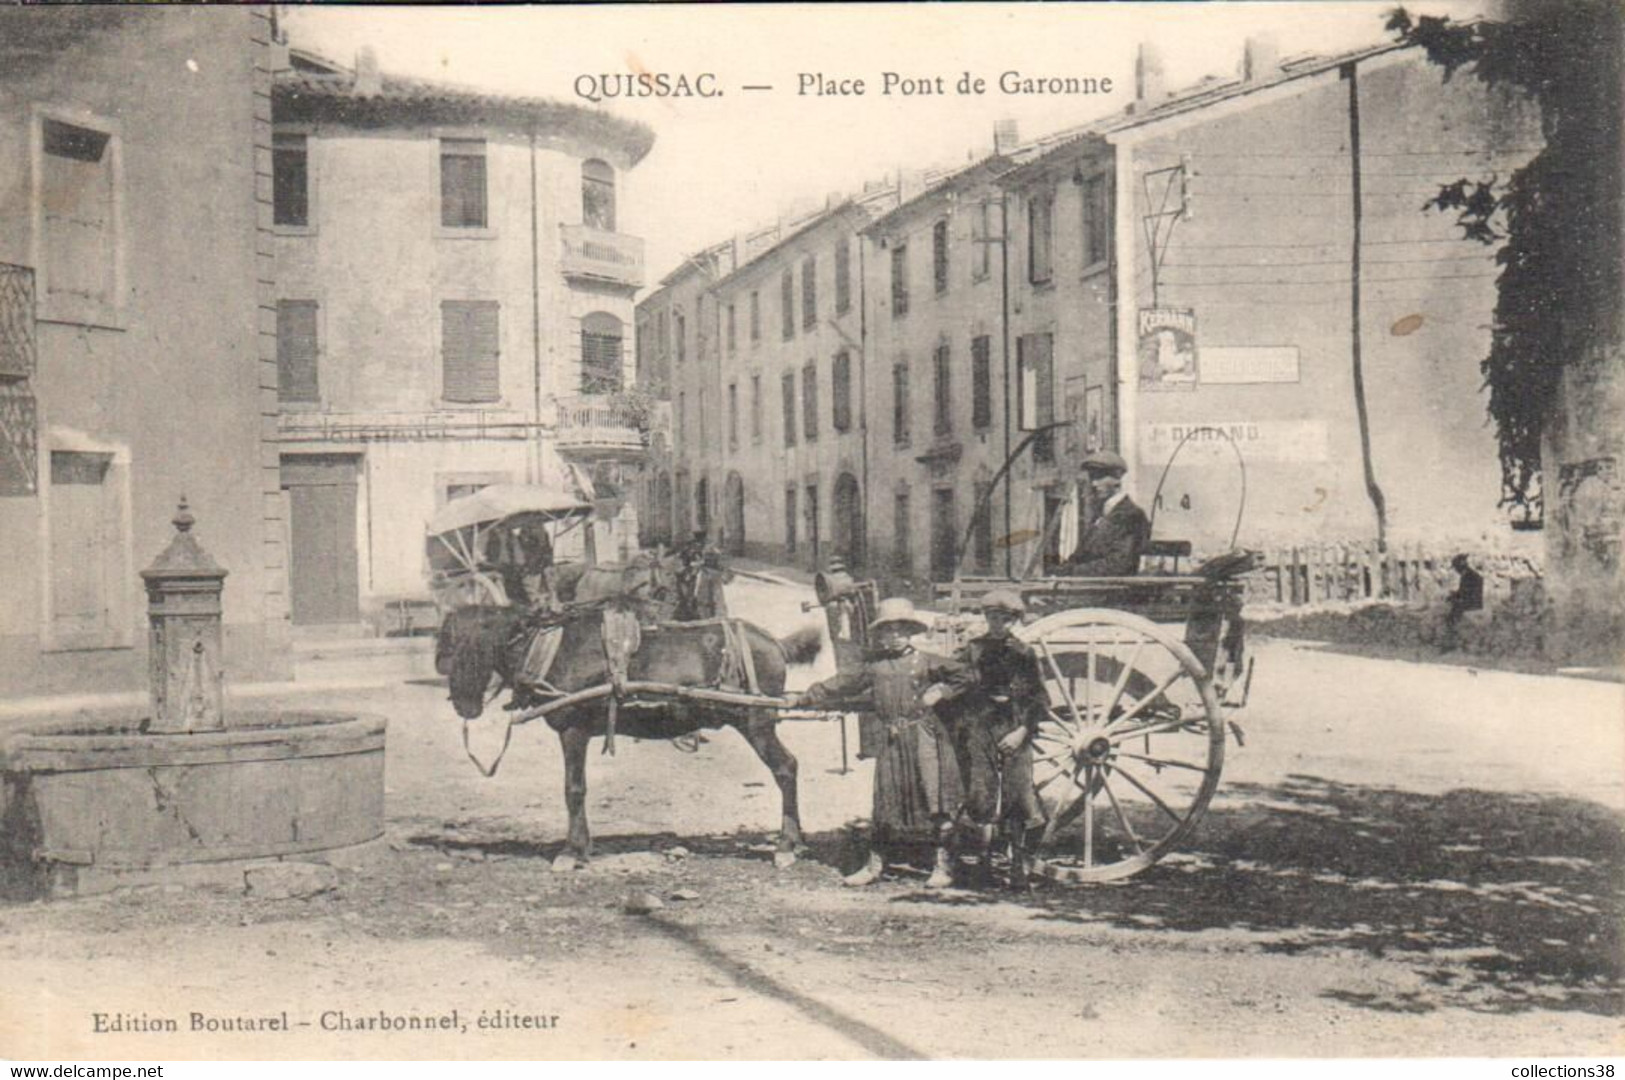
x: 598, y: 195
x: 601, y: 369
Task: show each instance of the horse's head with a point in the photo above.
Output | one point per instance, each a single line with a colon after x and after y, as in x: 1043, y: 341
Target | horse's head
x: 469, y: 650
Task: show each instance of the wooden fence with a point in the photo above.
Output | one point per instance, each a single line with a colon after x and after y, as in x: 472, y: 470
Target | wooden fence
x: 1411, y: 573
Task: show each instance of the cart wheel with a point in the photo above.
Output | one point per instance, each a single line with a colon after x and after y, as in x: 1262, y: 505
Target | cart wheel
x: 1130, y: 754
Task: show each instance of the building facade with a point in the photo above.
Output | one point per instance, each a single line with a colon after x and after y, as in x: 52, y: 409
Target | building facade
x: 1299, y: 340
x: 137, y: 359
x: 454, y: 310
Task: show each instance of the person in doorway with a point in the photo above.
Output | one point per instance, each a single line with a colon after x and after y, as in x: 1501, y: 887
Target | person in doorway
x: 995, y: 700
x: 1116, y: 532
x: 917, y: 787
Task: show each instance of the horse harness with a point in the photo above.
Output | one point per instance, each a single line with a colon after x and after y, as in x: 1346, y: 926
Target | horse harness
x: 621, y: 635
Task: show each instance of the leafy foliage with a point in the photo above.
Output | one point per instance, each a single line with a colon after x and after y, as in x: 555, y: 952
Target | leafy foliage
x: 1558, y: 299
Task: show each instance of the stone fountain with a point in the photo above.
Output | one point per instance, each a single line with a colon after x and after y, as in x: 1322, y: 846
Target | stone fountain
x: 155, y: 795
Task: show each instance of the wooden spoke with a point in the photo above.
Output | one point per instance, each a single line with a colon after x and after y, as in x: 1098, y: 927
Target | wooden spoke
x: 1122, y: 818
x: 1142, y: 703
x: 1058, y: 774
x: 1089, y: 822
x: 1161, y: 727
x: 1122, y: 679
x: 1152, y: 795
x: 1160, y: 762
x: 1060, y: 682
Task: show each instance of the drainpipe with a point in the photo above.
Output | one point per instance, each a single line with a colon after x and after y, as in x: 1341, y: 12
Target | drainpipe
x: 1378, y: 503
x: 1125, y: 303
x: 1004, y: 345
x: 863, y: 396
x: 535, y: 319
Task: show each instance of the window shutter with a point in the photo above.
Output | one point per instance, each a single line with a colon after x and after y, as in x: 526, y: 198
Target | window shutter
x: 981, y: 383
x: 788, y: 385
x: 841, y: 391
x: 809, y: 401
x: 469, y: 350
x: 296, y: 362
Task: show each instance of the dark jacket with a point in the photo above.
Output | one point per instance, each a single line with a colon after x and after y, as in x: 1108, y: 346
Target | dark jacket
x: 1111, y: 545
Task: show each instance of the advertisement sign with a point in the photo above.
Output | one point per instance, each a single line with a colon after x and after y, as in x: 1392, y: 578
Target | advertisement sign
x: 1167, y: 349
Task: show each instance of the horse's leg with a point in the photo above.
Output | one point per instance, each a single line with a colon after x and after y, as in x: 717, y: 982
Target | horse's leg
x: 578, y: 847
x: 760, y: 729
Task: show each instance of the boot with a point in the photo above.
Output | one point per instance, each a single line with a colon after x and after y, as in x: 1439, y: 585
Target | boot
x: 984, y: 861
x: 1021, y: 862
x: 942, y: 874
x: 868, y: 874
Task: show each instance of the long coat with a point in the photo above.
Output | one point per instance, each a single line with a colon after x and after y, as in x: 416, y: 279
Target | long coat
x: 917, y: 777
x: 1112, y: 544
x: 995, y: 688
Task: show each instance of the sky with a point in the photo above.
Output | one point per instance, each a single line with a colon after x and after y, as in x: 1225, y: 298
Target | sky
x: 724, y: 164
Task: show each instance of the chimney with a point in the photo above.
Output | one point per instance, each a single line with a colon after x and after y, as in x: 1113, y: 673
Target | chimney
x: 367, y: 79
x: 1261, y: 58
x: 833, y: 199
x: 910, y: 183
x: 1150, y: 84
x: 1006, y: 135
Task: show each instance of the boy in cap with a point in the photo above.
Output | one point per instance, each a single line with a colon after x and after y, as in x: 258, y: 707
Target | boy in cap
x: 917, y: 779
x: 1118, y: 531
x: 997, y: 699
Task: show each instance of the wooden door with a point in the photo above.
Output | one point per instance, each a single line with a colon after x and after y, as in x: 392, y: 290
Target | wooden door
x: 323, y: 568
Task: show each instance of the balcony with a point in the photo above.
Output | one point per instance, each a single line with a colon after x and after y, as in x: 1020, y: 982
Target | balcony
x: 602, y: 427
x: 600, y: 257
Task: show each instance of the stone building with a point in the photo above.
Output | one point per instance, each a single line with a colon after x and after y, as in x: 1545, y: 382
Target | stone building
x: 938, y: 368
x: 137, y: 359
x: 1281, y: 283
x: 455, y: 285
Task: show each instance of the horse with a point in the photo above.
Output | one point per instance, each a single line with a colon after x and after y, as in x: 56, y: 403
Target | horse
x: 476, y: 643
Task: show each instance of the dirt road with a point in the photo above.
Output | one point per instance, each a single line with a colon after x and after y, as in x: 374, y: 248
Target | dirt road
x: 1403, y: 861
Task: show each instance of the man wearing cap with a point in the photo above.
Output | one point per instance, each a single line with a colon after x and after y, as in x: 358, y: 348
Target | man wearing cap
x: 995, y: 700
x: 1117, y: 532
x: 917, y: 778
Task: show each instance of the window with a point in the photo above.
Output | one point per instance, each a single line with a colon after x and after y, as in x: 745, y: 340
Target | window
x: 787, y: 302
x: 1039, y: 254
x: 290, y: 180
x: 682, y: 417
x: 296, y: 351
x: 462, y: 183
x: 939, y: 256
x: 982, y: 260
x: 702, y: 431
x: 601, y: 354
x: 1096, y: 220
x: 809, y: 401
x: 598, y: 195
x: 981, y: 382
x: 843, y: 276
x: 899, y: 280
x: 788, y: 385
x: 78, y: 213
x: 756, y: 408
x: 809, y: 292
x: 468, y: 351
x: 1036, y: 370
x: 680, y: 328
x: 944, y: 534
x: 840, y: 391
x: 899, y: 404
x: 755, y: 316
x: 733, y: 337
x: 733, y: 416
x: 902, y: 561
x: 982, y: 534
x: 942, y: 393
x: 663, y: 333
x: 790, y: 519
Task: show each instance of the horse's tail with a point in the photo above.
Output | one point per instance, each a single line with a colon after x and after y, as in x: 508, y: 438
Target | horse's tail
x: 802, y: 645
